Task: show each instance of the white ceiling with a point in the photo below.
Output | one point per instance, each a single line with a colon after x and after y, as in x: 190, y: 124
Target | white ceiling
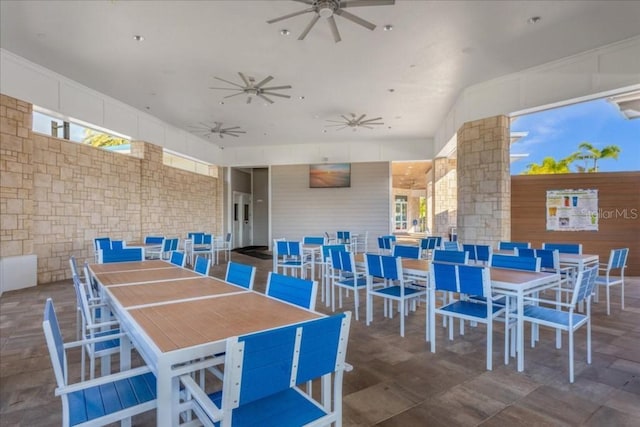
x: 435, y: 50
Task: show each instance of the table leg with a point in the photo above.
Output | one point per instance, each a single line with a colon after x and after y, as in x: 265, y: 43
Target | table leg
x: 520, y: 331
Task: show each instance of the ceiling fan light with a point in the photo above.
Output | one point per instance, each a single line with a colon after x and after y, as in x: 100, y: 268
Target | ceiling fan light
x: 325, y: 12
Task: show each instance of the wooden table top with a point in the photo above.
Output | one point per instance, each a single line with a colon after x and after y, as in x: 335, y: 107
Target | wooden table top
x: 144, y: 276
x: 163, y: 292
x: 129, y: 266
x: 185, y: 324
x: 519, y: 277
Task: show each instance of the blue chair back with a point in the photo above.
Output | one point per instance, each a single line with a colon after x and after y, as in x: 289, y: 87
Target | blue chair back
x: 196, y: 237
x: 564, y: 248
x: 271, y: 362
x: 153, y: 240
x: 343, y: 237
x: 618, y: 258
x: 55, y: 342
x: 510, y: 246
x: 471, y: 249
x: 385, y: 242
x: 177, y: 258
x: 174, y: 244
x: 430, y: 243
x: 451, y: 246
x: 484, y: 253
x: 289, y: 248
x: 326, y: 250
x: 514, y: 262
x: 240, y: 274
x: 549, y: 259
x: 202, y: 265
x: 405, y: 251
x: 383, y: 266
x: 313, y: 240
x: 343, y: 261
x: 455, y: 257
x: 102, y: 243
x: 585, y: 284
x: 117, y: 244
x: 293, y: 290
x: 465, y: 279
x: 122, y: 255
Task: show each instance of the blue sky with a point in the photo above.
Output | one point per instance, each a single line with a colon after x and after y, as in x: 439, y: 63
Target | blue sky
x: 558, y: 132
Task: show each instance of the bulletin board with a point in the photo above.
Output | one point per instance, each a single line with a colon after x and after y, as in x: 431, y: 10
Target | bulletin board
x: 572, y: 210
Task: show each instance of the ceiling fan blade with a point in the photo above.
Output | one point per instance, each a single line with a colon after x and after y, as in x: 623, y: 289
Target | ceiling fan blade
x: 367, y: 123
x: 228, y: 129
x: 334, y: 121
x: 230, y: 134
x: 276, y: 94
x: 276, y: 88
x: 308, y: 28
x: 225, y: 88
x: 332, y: 126
x: 360, y: 118
x: 365, y: 126
x: 355, y: 19
x: 265, y: 98
x: 235, y: 132
x: 217, y: 128
x: 227, y: 81
x: 344, y: 117
x: 371, y: 120
x: 235, y: 94
x: 334, y: 28
x: 244, y: 78
x: 265, y: 81
x: 304, y: 1
x: 360, y: 3
x: 291, y: 15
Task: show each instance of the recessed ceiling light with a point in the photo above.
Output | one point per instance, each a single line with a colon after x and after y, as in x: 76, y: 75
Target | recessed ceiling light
x: 391, y: 90
x: 138, y: 38
x: 285, y: 32
x: 221, y: 102
x: 388, y: 27
x: 534, y: 20
x: 324, y: 131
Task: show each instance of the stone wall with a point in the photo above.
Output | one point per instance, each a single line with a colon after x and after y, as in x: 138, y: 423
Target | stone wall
x: 484, y: 182
x: 56, y: 195
x: 443, y: 192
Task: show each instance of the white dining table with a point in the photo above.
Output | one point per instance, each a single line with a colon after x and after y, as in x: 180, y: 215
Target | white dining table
x: 174, y: 319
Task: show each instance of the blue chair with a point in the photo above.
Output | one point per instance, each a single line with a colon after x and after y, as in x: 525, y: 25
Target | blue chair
x: 100, y: 243
x: 293, y: 290
x: 564, y: 248
x: 263, y: 369
x: 240, y: 274
x: 479, y: 254
x: 343, y: 237
x: 514, y: 262
x: 389, y: 268
x: 96, y: 401
x: 202, y: 265
x: 160, y: 252
x: 405, y: 251
x: 120, y: 255
x: 93, y: 328
x: 550, y: 313
x: 314, y: 240
x: 202, y: 245
x: 465, y: 280
x: 385, y: 244
x: 451, y: 246
x: 288, y: 256
x: 455, y: 257
x: 429, y: 244
x: 511, y: 246
x: 345, y: 276
x: 325, y: 285
x: 153, y: 240
x: 617, y: 261
x: 178, y: 258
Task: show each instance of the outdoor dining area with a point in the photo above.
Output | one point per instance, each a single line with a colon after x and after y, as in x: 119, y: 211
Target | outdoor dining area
x: 179, y: 337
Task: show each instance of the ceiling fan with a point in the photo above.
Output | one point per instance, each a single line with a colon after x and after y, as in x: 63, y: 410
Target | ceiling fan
x: 355, y: 122
x: 251, y: 88
x: 217, y: 129
x: 328, y: 8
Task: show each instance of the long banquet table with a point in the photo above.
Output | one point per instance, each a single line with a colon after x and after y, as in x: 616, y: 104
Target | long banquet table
x: 176, y: 316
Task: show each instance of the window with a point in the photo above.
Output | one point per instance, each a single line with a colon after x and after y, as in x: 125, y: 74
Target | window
x: 401, y: 213
x: 176, y: 160
x: 48, y: 123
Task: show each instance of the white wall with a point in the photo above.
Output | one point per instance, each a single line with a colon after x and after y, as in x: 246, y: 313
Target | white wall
x: 298, y: 211
x: 607, y: 70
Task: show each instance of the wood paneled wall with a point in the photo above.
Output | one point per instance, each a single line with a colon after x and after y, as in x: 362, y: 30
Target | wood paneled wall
x: 618, y: 207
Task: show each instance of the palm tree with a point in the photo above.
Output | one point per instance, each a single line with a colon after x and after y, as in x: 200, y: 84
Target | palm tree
x: 549, y: 166
x: 587, y: 152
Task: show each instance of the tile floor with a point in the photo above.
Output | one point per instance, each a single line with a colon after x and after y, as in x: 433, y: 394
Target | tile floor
x: 396, y: 381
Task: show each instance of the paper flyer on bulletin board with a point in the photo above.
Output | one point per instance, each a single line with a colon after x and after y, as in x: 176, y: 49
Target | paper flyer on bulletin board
x: 572, y: 210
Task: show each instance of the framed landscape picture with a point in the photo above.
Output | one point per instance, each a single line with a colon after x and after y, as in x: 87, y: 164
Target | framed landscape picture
x: 333, y: 175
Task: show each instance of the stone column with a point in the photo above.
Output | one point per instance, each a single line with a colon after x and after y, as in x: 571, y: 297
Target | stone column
x: 484, y: 181
x: 443, y: 191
